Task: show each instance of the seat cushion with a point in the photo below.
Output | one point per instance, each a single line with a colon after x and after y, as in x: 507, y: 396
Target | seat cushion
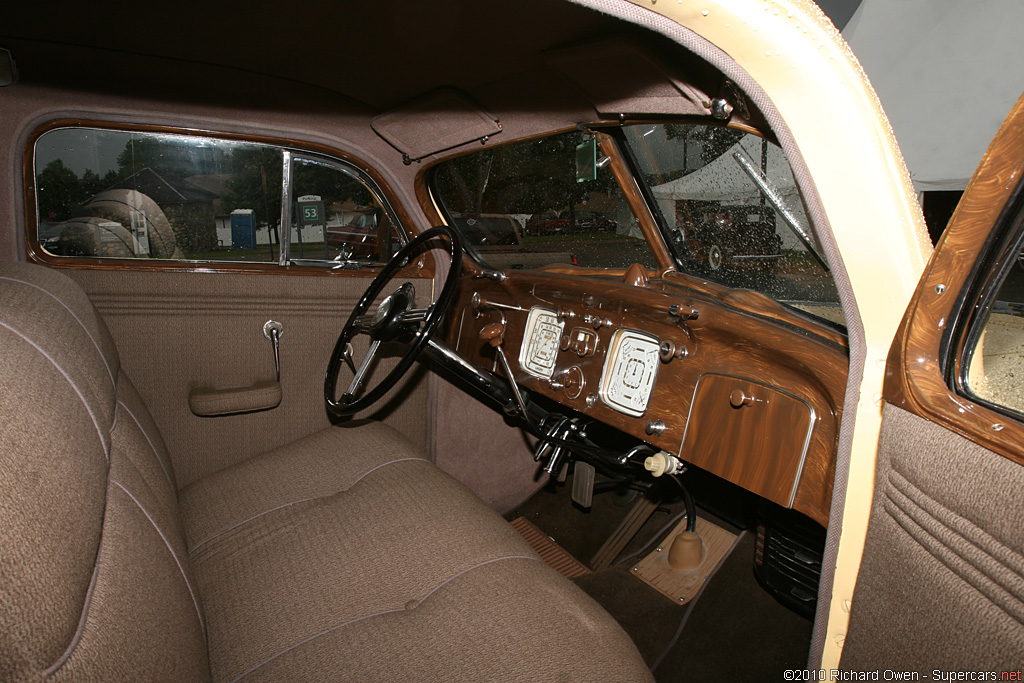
x: 348, y: 556
x: 319, y: 465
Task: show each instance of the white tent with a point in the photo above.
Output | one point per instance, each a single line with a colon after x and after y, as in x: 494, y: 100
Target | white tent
x: 723, y: 180
x: 946, y: 72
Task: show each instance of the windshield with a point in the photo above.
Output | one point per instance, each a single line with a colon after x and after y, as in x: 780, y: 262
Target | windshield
x: 522, y: 206
x: 731, y: 212
x: 726, y: 201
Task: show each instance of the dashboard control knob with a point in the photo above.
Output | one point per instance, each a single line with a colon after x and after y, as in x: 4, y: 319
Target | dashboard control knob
x: 493, y: 333
x: 656, y: 427
x: 668, y: 350
x: 662, y: 463
x: 683, y: 312
x: 591, y: 400
x: 597, y: 321
x: 573, y: 382
x: 738, y: 399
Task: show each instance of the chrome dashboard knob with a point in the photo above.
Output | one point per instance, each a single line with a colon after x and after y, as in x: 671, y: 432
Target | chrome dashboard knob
x: 655, y: 427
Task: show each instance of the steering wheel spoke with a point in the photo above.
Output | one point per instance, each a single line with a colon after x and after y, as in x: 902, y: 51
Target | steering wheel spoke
x: 359, y: 377
x: 363, y: 323
x: 396, y: 318
x: 416, y: 315
x: 347, y: 357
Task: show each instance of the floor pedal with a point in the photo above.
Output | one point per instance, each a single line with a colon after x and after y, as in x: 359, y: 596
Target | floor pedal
x: 638, y: 515
x: 583, y: 484
x: 554, y: 555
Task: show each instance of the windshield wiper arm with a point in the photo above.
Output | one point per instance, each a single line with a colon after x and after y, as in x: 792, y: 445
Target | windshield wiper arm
x: 772, y: 195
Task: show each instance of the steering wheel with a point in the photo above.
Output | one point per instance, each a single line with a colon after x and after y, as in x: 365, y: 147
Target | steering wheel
x: 396, y: 318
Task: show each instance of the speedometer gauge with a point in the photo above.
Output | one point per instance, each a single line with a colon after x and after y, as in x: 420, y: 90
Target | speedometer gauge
x: 540, y: 342
x: 629, y: 371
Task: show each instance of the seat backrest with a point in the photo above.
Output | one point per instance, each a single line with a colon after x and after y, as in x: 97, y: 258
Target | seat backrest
x: 94, y: 575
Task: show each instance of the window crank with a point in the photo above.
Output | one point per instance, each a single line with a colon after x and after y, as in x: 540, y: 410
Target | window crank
x: 273, y: 330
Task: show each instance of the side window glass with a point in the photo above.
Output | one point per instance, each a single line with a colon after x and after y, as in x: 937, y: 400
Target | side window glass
x: 118, y: 194
x: 732, y: 212
x: 994, y: 360
x: 337, y: 216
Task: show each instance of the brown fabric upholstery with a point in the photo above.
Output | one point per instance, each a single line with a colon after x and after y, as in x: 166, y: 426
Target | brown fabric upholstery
x: 360, y: 529
x: 473, y: 443
x: 324, y: 463
x: 510, y: 621
x: 210, y: 334
x: 942, y: 581
x: 81, y: 475
x: 343, y: 556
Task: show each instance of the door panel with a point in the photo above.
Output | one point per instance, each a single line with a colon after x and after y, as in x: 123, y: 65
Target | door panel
x: 942, y: 581
x: 177, y: 331
x: 941, y: 584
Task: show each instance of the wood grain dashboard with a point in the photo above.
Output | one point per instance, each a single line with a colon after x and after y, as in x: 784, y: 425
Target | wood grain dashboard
x: 751, y: 393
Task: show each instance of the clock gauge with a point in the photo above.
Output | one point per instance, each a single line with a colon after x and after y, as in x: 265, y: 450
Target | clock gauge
x: 629, y: 371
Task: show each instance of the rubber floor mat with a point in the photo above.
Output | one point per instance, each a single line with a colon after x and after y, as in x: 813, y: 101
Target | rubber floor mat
x: 554, y: 555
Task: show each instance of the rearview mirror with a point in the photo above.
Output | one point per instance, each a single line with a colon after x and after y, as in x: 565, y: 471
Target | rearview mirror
x: 586, y: 161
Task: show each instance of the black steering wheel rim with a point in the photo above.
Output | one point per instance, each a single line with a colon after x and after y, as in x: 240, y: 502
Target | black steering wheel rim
x: 343, y: 407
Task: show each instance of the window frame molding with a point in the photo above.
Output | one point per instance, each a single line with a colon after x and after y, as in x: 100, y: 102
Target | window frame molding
x: 290, y: 146
x: 975, y: 303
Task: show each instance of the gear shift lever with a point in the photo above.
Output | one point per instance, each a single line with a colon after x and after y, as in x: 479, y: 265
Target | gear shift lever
x: 494, y: 334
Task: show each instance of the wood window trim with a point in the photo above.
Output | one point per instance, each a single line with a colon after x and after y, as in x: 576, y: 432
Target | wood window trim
x: 35, y: 252
x: 916, y: 372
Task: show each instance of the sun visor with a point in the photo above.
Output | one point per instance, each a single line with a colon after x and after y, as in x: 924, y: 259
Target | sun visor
x: 620, y: 77
x: 436, y: 122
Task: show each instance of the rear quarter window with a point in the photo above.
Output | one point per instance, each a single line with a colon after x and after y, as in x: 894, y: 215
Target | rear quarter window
x: 119, y: 194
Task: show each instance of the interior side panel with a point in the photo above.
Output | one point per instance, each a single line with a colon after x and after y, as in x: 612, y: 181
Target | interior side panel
x: 472, y: 442
x: 180, y: 331
x: 941, y: 585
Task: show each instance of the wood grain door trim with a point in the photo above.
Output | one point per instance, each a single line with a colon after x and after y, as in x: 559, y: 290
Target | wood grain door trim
x: 930, y: 338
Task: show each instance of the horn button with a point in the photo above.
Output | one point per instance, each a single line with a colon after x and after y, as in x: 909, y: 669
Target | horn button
x: 388, y: 318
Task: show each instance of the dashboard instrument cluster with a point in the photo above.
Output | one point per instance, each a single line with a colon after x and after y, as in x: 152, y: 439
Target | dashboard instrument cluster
x: 630, y: 366
x: 755, y: 399
x: 539, y: 348
x: 630, y: 369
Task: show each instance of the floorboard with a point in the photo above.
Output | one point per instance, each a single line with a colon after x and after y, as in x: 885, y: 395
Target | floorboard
x: 734, y: 630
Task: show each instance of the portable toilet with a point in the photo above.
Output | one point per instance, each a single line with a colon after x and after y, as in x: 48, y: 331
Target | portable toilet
x: 243, y: 229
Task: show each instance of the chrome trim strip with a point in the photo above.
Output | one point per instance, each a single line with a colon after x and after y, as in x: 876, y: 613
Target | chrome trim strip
x: 284, y: 246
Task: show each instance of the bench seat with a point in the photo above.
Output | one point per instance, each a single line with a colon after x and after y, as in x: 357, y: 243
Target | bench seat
x: 345, y: 556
